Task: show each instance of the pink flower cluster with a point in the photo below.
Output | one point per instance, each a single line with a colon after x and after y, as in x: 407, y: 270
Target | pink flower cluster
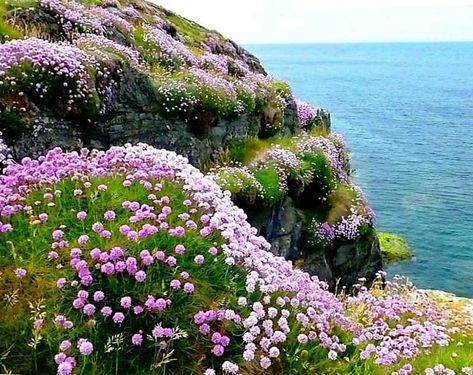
x: 51, y: 65
x: 74, y: 15
x: 305, y: 112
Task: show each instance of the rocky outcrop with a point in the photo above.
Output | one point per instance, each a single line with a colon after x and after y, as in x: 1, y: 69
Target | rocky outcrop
x: 138, y: 117
x: 341, y: 265
x: 128, y: 100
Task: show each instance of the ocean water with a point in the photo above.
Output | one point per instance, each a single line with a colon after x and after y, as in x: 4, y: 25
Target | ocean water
x: 406, y: 111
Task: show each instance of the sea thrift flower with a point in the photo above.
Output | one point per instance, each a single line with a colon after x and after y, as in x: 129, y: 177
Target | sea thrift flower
x: 61, y: 282
x: 106, y: 311
x: 189, y: 288
x: 109, y: 215
x: 58, y: 234
x: 180, y: 249
x: 140, y: 276
x: 85, y: 347
x: 118, y: 317
x: 175, y: 284
x: 81, y: 215
x: 66, y: 344
x: 99, y: 296
x: 137, y: 339
x: 125, y: 302
x: 20, y: 273
x: 83, y: 239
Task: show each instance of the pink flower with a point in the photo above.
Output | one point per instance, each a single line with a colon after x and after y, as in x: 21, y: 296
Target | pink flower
x: 60, y: 283
x: 175, y: 284
x: 81, y: 215
x: 171, y: 261
x: 218, y: 350
x: 137, y: 339
x: 180, y: 249
x: 58, y: 234
x: 83, y: 239
x: 99, y: 296
x: 140, y: 276
x: 118, y: 317
x: 138, y: 310
x: 189, y: 288
x: 66, y: 344
x: 85, y: 347
x: 199, y: 259
x: 43, y: 217
x: 125, y: 302
x: 109, y: 215
x: 89, y: 309
x: 20, y: 273
x: 106, y: 311
x: 213, y: 251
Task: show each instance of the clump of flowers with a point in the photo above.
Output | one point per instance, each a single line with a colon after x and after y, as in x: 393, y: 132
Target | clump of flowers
x: 142, y: 254
x: 305, y: 112
x: 73, y: 15
x: 97, y: 43
x: 54, y: 72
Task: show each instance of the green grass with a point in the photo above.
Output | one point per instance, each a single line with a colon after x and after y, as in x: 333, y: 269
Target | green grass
x: 187, y: 28
x: 269, y: 179
x: 27, y: 246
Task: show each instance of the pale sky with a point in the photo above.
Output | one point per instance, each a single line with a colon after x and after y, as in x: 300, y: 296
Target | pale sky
x: 311, y: 21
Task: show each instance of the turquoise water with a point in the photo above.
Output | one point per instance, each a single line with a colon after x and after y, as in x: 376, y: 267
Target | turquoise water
x: 406, y: 111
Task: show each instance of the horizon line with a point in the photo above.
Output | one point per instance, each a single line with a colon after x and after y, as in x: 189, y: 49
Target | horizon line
x: 358, y: 42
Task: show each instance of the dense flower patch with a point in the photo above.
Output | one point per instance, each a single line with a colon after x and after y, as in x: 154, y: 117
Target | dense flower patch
x: 305, y: 112
x: 131, y: 260
x: 102, y: 36
x: 311, y: 160
x: 54, y: 73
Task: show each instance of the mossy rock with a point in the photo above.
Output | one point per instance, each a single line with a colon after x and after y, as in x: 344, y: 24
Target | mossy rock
x: 394, y: 248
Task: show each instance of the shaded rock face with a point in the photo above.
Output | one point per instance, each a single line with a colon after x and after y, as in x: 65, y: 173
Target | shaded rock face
x: 342, y: 265
x: 137, y: 117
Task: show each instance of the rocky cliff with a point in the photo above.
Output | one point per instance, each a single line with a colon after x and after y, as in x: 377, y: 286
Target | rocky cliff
x: 94, y: 74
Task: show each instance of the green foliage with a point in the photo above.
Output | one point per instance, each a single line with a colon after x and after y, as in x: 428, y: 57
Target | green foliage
x: 270, y: 181
x: 394, y: 248
x: 315, y: 167
x: 12, y: 123
x: 341, y: 200
x: 7, y: 30
x: 147, y: 49
x: 186, y: 28
x: 239, y: 182
x: 24, y: 300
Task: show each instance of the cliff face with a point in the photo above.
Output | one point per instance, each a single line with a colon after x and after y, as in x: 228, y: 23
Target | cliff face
x: 97, y: 74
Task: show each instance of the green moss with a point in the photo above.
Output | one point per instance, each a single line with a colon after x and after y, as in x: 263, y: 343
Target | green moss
x: 239, y: 182
x: 189, y: 29
x: 269, y: 179
x: 12, y: 123
x: 7, y: 31
x: 394, y: 248
x: 21, y: 4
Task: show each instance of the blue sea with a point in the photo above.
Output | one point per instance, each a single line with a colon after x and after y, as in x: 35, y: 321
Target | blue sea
x: 406, y: 111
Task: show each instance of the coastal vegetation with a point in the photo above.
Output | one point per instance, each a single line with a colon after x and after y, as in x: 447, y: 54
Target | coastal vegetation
x: 130, y: 259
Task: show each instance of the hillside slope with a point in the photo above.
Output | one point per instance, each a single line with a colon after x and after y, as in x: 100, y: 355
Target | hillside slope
x: 98, y: 74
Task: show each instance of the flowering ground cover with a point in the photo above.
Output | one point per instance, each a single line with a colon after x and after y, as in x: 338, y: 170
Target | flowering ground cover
x: 75, y: 71
x: 132, y: 260
x: 266, y: 169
